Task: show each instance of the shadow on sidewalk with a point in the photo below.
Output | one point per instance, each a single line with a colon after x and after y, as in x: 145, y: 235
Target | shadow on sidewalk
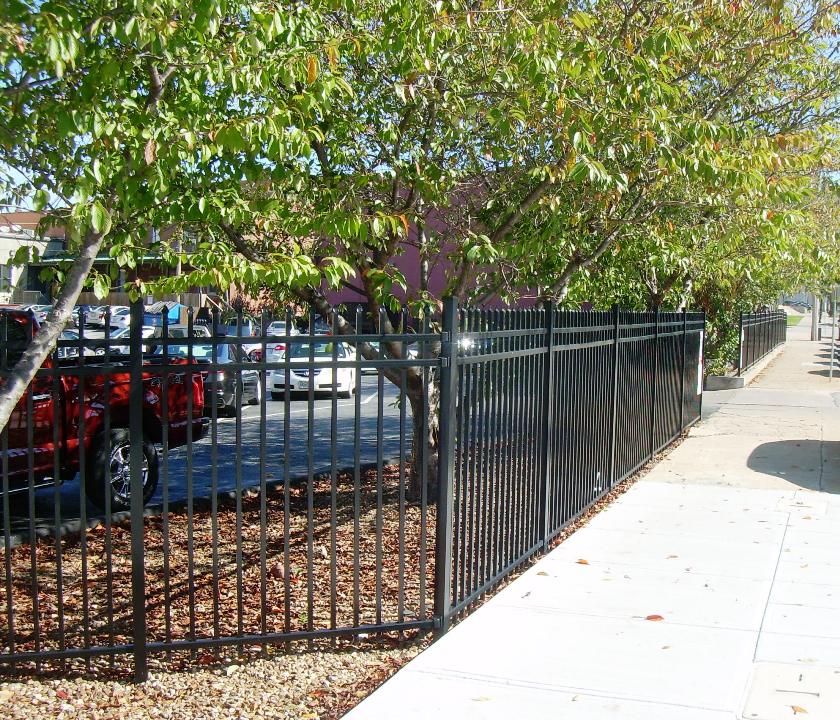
x: 800, y: 462
x: 825, y: 373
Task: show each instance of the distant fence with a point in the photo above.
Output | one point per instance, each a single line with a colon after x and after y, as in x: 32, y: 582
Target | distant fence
x: 761, y: 333
x: 275, y: 473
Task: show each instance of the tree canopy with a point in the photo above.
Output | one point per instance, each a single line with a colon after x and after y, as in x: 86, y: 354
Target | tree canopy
x: 631, y: 151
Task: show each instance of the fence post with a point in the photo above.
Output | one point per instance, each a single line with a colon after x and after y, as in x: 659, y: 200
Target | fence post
x: 740, y: 342
x: 701, y: 365
x: 135, y: 432
x: 547, y: 421
x: 614, y: 409
x: 653, y: 394
x: 446, y: 464
x: 682, y: 370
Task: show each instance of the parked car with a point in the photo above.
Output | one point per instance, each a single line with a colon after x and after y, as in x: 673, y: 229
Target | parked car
x: 68, y: 351
x: 275, y: 348
x: 40, y: 312
x: 107, y: 468
x: 278, y: 328
x: 120, y: 317
x: 153, y: 332
x: 223, y: 382
x: 322, y: 379
x: 90, y: 313
x: 147, y: 332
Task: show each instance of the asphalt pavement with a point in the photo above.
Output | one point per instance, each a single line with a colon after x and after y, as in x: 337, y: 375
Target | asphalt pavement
x: 235, y: 455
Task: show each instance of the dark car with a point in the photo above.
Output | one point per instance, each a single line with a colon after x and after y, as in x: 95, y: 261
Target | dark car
x: 223, y: 383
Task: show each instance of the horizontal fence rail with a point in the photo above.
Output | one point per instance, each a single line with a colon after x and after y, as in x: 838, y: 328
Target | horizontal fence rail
x: 761, y: 333
x: 177, y: 493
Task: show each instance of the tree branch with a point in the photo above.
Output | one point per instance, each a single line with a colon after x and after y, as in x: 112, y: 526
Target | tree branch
x: 44, y: 341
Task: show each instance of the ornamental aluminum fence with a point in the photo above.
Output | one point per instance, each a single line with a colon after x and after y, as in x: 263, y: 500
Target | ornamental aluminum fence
x: 761, y: 333
x: 545, y: 412
x: 173, y: 495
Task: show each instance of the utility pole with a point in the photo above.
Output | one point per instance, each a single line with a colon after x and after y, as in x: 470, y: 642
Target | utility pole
x: 833, y: 332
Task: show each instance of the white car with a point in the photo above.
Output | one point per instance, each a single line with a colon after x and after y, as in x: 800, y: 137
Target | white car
x: 278, y: 328
x: 120, y: 316
x: 322, y: 379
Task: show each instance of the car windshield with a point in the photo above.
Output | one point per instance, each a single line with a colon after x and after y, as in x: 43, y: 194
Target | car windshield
x: 322, y: 349
x: 277, y: 327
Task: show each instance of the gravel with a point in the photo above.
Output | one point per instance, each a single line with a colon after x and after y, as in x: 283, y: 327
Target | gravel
x: 305, y: 685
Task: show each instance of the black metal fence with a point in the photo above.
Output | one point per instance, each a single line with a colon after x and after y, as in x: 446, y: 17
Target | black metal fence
x: 761, y: 333
x: 545, y: 412
x: 173, y: 494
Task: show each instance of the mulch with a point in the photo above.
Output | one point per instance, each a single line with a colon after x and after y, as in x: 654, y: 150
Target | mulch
x: 198, y: 588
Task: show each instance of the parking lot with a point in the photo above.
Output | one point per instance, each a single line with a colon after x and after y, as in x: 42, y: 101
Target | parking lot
x: 235, y: 455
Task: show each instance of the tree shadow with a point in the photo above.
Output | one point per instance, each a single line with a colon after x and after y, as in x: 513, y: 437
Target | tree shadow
x: 811, y: 464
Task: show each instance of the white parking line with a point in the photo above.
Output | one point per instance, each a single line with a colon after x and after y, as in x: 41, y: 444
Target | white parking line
x: 297, y: 411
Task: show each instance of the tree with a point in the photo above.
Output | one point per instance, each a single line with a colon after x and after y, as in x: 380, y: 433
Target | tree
x: 104, y: 114
x: 534, y: 145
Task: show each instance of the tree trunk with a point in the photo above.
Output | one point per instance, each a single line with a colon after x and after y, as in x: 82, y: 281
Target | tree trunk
x: 425, y: 437
x: 44, y: 342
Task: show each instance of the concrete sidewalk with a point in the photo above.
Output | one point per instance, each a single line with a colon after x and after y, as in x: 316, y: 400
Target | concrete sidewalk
x: 709, y: 591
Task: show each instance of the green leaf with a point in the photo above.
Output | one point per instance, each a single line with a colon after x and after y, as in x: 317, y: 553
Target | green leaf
x: 40, y: 200
x: 100, y: 219
x: 101, y: 286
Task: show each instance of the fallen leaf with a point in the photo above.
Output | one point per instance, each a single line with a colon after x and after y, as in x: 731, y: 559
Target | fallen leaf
x: 542, y: 573
x: 583, y: 562
x: 671, y: 557
x: 798, y: 710
x: 654, y: 618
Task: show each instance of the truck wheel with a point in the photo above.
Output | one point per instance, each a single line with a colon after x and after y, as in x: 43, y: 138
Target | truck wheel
x: 113, y: 452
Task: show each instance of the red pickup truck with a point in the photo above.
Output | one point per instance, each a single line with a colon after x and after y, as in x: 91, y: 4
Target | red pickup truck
x: 73, y: 410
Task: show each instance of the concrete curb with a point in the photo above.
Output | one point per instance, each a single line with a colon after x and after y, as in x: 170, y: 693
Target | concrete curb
x: 734, y: 382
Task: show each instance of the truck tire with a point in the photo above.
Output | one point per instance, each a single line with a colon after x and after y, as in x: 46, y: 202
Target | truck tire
x: 114, y: 451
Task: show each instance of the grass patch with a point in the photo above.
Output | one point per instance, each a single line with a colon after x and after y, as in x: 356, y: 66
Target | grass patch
x: 794, y: 320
